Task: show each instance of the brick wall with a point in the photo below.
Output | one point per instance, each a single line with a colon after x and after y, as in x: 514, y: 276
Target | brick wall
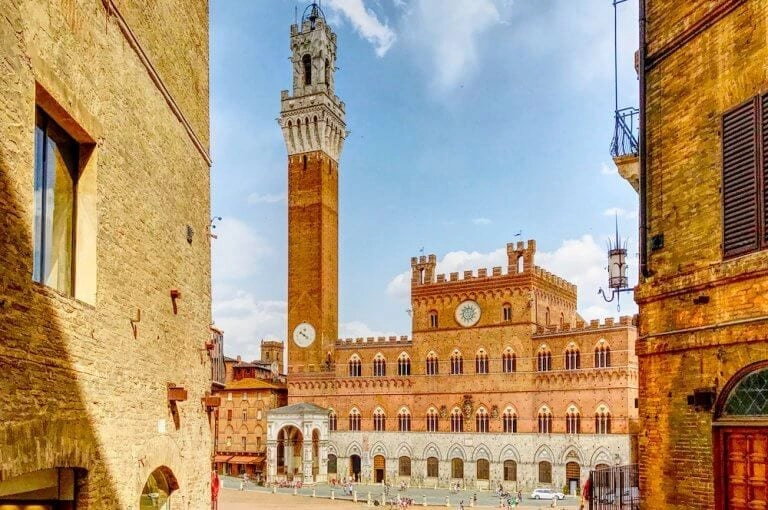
x: 687, y: 93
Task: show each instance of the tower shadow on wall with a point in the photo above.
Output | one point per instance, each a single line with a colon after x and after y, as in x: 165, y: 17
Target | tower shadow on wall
x: 45, y: 421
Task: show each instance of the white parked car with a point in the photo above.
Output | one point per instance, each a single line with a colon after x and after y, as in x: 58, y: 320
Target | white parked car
x: 547, y: 494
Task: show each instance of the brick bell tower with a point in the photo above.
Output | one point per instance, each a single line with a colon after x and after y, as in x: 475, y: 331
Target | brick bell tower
x: 312, y: 121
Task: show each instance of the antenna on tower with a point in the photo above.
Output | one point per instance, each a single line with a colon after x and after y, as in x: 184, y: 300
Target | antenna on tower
x: 295, y: 14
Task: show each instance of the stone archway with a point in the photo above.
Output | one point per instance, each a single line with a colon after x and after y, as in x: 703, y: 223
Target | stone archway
x: 290, y: 452
x: 156, y: 494
x: 740, y: 430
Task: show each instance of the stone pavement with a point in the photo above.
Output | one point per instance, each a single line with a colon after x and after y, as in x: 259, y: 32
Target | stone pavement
x: 233, y: 499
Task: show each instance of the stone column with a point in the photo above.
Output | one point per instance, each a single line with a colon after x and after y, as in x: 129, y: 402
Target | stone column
x: 307, y: 461
x: 271, y: 462
x: 322, y: 472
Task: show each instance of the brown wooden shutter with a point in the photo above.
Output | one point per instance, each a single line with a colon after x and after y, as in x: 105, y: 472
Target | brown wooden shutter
x: 763, y: 174
x: 740, y: 192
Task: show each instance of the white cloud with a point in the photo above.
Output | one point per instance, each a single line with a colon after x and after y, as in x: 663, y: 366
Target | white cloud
x: 607, y: 169
x: 481, y: 221
x: 246, y: 321
x: 358, y: 329
x: 236, y: 250
x: 448, y: 35
x: 580, y: 261
x: 266, y: 198
x: 367, y: 24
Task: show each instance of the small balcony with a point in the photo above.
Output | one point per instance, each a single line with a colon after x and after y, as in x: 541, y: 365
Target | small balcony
x: 624, y: 145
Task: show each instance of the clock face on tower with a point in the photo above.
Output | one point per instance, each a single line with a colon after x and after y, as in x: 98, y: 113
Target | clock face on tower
x: 467, y: 313
x: 304, y: 334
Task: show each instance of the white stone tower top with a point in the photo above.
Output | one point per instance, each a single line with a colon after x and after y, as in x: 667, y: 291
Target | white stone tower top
x: 312, y: 118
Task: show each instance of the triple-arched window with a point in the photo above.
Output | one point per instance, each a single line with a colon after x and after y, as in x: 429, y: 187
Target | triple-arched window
x: 457, y: 363
x: 432, y: 420
x: 404, y: 420
x: 432, y: 364
x: 355, y: 366
x: 354, y: 419
x: 457, y: 420
x: 379, y: 366
x: 481, y: 362
x: 403, y: 365
x: 508, y: 361
x: 510, y: 420
x: 545, y: 420
x: 481, y: 420
x: 544, y: 359
x: 572, y: 357
x: 573, y: 421
x: 602, y: 355
x: 379, y: 420
x: 602, y: 420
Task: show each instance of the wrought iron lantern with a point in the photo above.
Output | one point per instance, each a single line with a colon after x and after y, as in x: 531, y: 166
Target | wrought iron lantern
x: 618, y: 281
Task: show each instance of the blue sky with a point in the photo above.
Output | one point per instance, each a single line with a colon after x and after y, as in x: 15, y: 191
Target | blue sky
x: 470, y: 120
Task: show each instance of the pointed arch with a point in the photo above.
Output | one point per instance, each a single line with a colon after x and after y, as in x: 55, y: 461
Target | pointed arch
x: 481, y: 361
x: 404, y: 364
x: 509, y: 452
x: 379, y: 365
x: 432, y: 364
x: 431, y: 450
x: 456, y: 451
x: 481, y: 451
x: 544, y: 452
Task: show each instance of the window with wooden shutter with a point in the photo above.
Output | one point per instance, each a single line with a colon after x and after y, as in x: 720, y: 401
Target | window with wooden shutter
x: 743, y: 167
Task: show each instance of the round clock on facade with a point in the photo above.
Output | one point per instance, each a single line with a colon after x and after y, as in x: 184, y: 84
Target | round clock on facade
x: 304, y: 334
x: 467, y: 313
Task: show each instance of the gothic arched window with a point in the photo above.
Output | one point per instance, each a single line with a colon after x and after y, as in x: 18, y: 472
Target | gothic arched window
x: 572, y: 358
x: 481, y: 420
x: 404, y: 420
x: 379, y: 420
x: 307, y: 61
x: 508, y: 361
x: 573, y: 421
x: 457, y: 421
x: 432, y: 420
x: 432, y: 365
x: 481, y: 362
x: 403, y: 365
x: 510, y: 420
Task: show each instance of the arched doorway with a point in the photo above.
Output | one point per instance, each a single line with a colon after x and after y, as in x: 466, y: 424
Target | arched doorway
x: 510, y: 471
x: 356, y: 467
x: 156, y: 494
x: 573, y: 477
x: 741, y: 440
x: 379, y: 468
x: 290, y: 452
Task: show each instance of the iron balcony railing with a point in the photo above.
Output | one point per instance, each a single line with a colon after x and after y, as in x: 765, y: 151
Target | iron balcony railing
x: 624, y: 141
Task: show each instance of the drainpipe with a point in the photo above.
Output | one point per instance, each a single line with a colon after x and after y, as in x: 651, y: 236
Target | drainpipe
x: 643, y: 234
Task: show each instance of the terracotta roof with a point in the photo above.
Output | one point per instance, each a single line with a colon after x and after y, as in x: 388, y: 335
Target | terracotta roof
x: 251, y: 383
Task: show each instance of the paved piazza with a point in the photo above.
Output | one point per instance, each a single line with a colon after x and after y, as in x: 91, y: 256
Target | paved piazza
x: 232, y: 499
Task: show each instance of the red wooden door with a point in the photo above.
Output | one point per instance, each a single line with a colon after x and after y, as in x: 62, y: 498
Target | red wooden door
x: 745, y: 455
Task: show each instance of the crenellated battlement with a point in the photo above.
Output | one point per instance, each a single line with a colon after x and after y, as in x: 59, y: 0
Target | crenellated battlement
x: 582, y: 326
x: 371, y: 340
x: 520, y: 260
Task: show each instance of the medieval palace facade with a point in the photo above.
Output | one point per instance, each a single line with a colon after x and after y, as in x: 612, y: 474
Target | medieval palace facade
x: 501, y: 379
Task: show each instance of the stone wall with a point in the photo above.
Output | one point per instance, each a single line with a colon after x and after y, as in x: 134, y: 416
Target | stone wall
x: 81, y: 387
x: 527, y: 450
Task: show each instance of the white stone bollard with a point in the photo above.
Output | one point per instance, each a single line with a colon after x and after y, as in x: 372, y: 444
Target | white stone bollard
x: 274, y: 489
x: 369, y: 500
x: 354, y: 496
x: 424, y: 500
x: 383, y: 500
x: 333, y: 493
x: 471, y: 502
x: 313, y: 492
x: 447, y: 501
x: 295, y: 491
